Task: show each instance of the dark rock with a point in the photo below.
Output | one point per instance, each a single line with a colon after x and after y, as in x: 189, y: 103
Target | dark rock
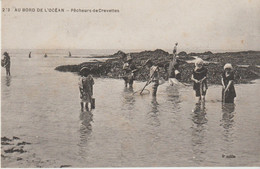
x: 120, y: 55
x: 205, y: 57
x: 5, y: 143
x: 231, y: 156
x: 19, y: 158
x: 63, y: 166
x: 3, y: 156
x: 182, y: 53
x: 23, y: 143
x: 228, y: 156
x: 5, y: 139
x: 199, y: 54
x: 208, y: 53
x: 113, y: 67
x: 15, y: 138
x: 12, y: 150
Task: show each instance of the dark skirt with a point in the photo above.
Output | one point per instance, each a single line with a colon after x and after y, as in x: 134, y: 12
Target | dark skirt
x: 229, y: 96
x: 129, y: 78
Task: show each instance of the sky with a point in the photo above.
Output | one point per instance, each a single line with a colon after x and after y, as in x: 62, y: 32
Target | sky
x: 139, y: 24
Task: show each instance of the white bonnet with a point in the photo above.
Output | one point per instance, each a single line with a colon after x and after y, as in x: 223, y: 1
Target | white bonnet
x: 198, y: 61
x: 228, y: 65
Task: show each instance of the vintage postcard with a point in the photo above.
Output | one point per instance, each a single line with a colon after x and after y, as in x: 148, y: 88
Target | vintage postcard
x: 112, y: 83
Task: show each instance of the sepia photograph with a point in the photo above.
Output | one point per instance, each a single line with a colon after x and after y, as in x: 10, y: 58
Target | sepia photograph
x: 112, y: 83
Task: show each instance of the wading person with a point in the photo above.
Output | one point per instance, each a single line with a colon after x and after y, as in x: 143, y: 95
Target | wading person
x: 129, y: 71
x: 30, y: 54
x: 153, y: 76
x: 173, y: 70
x: 86, y: 83
x: 175, y: 49
x: 6, y: 62
x: 199, y: 77
x: 227, y: 80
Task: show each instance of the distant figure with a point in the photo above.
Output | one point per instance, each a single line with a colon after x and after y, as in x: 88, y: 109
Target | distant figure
x: 129, y: 71
x: 45, y: 55
x: 86, y: 83
x: 227, y: 80
x: 69, y: 54
x: 30, y: 55
x: 199, y: 77
x: 173, y: 69
x: 154, y: 75
x: 175, y: 49
x: 6, y: 62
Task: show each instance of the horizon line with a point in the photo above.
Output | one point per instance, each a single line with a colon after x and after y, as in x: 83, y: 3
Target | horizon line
x: 183, y: 50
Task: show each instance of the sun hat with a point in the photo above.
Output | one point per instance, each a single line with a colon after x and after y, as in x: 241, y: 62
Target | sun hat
x: 228, y: 66
x: 84, y: 71
x: 84, y: 68
x: 198, y: 61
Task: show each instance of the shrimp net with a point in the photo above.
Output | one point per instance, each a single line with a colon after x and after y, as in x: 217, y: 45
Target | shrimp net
x: 145, y: 92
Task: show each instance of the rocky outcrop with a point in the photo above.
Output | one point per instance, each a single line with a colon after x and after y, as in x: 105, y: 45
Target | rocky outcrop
x: 112, y: 67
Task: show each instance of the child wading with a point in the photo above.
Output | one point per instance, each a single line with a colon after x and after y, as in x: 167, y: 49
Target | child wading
x: 199, y: 77
x: 86, y: 83
x: 154, y: 75
x: 129, y: 69
x: 227, y: 80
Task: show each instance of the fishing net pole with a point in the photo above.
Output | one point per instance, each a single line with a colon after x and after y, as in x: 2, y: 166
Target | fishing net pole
x: 144, y: 91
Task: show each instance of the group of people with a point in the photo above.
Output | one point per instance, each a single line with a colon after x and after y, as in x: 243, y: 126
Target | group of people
x: 199, y: 78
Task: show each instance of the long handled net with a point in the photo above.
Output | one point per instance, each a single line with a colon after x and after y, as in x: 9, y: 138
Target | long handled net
x: 145, y: 92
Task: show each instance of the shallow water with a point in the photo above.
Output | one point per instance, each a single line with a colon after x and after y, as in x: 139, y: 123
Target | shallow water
x: 42, y: 106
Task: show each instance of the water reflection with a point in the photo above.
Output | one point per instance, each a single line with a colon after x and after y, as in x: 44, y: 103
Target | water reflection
x: 227, y: 123
x: 199, y: 114
x: 173, y: 97
x: 154, y: 113
x: 8, y: 80
x: 228, y: 115
x: 85, y: 131
x: 153, y: 136
x: 199, y: 133
x: 128, y: 99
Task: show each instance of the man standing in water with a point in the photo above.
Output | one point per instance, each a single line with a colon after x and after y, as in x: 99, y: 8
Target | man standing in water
x: 7, y: 63
x: 30, y: 54
x: 129, y: 69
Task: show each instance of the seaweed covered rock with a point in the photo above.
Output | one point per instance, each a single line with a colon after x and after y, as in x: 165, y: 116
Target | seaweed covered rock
x: 183, y: 54
x: 120, y: 55
x: 113, y: 67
